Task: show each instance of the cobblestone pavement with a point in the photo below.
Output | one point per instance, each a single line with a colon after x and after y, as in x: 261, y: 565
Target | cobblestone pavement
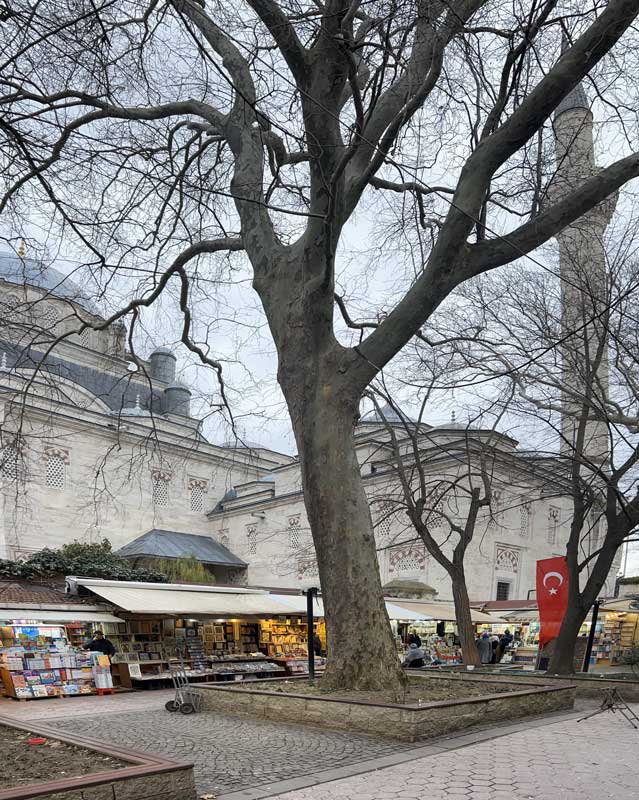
x: 592, y: 760
x: 232, y: 752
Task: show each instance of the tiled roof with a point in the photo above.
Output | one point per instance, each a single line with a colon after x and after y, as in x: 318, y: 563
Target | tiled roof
x: 13, y: 591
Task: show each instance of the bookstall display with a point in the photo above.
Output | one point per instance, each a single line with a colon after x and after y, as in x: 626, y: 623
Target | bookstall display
x: 31, y: 672
x: 614, y: 634
x: 284, y: 636
x: 210, y: 651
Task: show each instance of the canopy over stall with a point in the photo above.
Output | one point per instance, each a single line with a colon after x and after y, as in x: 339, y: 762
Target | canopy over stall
x: 182, y: 600
x: 7, y: 614
x: 441, y: 611
x: 627, y: 605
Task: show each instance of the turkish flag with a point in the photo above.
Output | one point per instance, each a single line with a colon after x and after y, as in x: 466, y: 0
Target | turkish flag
x: 552, y: 596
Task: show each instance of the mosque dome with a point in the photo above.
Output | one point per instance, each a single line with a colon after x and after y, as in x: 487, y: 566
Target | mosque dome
x: 31, y: 272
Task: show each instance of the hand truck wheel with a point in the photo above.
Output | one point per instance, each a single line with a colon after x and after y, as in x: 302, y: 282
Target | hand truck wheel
x: 172, y: 705
x: 187, y: 708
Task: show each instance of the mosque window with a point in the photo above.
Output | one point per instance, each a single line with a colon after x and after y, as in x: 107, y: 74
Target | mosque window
x: 251, y: 539
x: 49, y: 317
x: 524, y: 517
x: 385, y: 519
x: 56, y: 467
x: 307, y: 568
x: 553, y: 523
x: 294, y: 532
x: 9, y: 462
x: 160, y: 482
x: 197, y: 489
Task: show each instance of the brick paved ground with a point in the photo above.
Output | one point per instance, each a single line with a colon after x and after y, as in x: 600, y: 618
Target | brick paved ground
x: 593, y: 760
x: 232, y: 752
x: 542, y: 759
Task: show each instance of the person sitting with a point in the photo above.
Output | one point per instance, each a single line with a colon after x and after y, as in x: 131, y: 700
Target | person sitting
x: 414, y: 657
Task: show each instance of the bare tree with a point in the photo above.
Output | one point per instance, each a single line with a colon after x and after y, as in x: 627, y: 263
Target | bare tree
x: 443, y: 508
x: 577, y: 389
x: 164, y: 131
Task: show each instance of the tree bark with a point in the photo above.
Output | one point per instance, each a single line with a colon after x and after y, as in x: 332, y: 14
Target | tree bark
x: 323, y: 402
x: 562, y: 659
x: 465, y: 627
x: 360, y: 646
x: 580, y: 602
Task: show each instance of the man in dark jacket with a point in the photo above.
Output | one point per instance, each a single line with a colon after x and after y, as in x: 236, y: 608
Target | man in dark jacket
x: 100, y: 644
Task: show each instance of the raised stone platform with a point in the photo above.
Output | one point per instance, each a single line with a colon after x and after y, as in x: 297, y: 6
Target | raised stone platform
x: 492, y: 701
x: 586, y: 684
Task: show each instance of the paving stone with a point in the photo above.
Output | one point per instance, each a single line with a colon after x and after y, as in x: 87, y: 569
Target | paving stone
x: 231, y: 752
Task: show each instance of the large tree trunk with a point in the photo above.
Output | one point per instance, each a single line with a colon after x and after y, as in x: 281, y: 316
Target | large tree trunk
x: 323, y: 402
x: 580, y: 603
x: 361, y: 650
x: 465, y: 626
x: 562, y: 659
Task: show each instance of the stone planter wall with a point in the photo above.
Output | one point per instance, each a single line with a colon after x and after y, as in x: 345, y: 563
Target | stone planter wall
x: 586, y: 685
x: 406, y: 722
x: 148, y: 778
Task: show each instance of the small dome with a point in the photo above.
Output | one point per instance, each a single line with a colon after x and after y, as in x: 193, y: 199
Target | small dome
x: 386, y: 414
x: 244, y: 444
x: 30, y: 272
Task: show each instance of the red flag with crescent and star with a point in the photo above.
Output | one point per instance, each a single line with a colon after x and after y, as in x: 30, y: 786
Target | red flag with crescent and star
x: 552, y: 596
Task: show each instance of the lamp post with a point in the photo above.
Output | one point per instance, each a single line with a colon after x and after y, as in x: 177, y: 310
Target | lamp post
x: 591, y: 635
x: 310, y: 627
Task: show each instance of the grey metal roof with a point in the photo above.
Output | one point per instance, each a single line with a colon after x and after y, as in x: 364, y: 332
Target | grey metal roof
x: 30, y: 272
x: 386, y: 414
x: 173, y: 544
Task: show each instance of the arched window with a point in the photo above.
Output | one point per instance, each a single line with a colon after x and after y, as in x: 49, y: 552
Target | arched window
x: 197, y: 489
x: 251, y: 539
x: 86, y: 338
x: 160, y: 482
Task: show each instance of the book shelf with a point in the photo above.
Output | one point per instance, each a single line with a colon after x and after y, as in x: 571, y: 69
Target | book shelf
x: 284, y: 638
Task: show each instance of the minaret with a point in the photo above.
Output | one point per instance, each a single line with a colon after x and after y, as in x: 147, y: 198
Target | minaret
x: 583, y: 274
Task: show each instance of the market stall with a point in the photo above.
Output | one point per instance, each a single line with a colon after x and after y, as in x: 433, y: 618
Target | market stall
x: 221, y: 633
x: 435, y: 624
x: 41, y: 653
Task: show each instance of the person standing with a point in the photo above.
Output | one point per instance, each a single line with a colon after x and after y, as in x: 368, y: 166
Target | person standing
x: 415, y: 639
x: 100, y: 644
x: 484, y: 645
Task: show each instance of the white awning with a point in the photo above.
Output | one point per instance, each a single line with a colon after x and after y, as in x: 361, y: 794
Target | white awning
x: 441, y: 611
x: 403, y: 613
x: 184, y: 603
x: 297, y: 604
x: 57, y: 616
